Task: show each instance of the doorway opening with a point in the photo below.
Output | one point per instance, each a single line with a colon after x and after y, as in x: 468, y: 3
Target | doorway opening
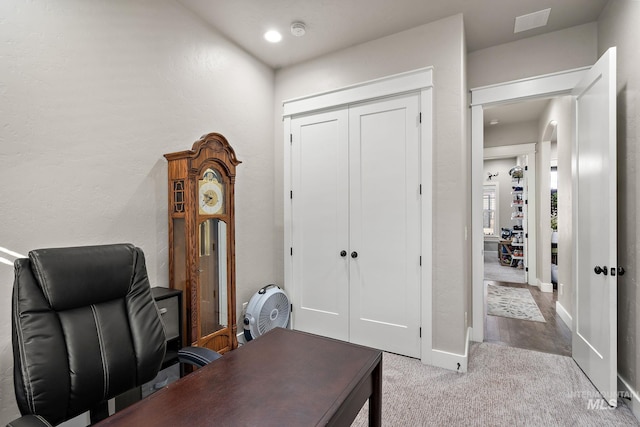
x: 520, y: 311
x: 517, y: 332
x: 549, y: 332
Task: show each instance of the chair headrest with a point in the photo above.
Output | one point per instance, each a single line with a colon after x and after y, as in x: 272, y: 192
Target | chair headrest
x: 81, y: 276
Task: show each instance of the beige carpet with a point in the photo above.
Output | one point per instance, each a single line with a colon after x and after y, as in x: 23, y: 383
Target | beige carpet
x: 504, y: 386
x: 493, y: 270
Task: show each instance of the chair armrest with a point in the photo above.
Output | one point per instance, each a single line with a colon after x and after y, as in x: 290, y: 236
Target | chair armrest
x: 197, y: 356
x: 29, y: 421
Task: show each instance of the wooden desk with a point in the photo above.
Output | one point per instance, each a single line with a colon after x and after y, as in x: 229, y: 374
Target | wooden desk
x: 283, y: 378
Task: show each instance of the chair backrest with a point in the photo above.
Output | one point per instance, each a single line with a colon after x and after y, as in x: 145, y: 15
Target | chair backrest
x: 85, y: 328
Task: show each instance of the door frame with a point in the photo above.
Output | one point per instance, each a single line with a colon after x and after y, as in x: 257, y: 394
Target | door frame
x: 547, y: 85
x: 421, y: 81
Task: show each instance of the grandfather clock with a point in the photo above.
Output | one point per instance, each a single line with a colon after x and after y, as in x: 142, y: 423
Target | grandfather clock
x: 201, y: 240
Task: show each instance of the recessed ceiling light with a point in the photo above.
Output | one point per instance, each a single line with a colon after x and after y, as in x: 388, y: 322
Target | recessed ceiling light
x: 272, y: 36
x: 532, y: 20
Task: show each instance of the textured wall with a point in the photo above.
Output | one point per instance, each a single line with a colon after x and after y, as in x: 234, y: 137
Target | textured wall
x: 618, y: 26
x: 439, y: 44
x: 91, y: 95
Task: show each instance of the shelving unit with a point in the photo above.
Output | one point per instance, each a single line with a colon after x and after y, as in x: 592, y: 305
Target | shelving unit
x: 519, y: 206
x: 512, y: 252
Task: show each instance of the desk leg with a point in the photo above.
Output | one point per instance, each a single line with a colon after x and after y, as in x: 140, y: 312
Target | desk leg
x: 375, y: 400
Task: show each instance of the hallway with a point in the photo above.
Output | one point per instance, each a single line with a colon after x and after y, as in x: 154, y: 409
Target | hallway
x: 552, y: 336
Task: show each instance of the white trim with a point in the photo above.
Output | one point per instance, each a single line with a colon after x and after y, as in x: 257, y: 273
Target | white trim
x: 531, y: 87
x: 564, y: 315
x: 540, y: 86
x: 287, y: 185
x: 426, y: 171
x: 477, y: 234
x: 446, y: 360
x: 386, y: 86
x: 545, y: 287
x: 627, y: 390
x: 240, y: 338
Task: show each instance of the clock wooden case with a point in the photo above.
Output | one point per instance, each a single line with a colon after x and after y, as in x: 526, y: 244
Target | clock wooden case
x: 201, y: 240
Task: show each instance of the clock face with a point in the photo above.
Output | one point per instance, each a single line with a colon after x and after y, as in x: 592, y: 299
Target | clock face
x: 210, y: 197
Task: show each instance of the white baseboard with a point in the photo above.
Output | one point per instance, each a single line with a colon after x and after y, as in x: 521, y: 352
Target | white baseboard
x: 564, y: 315
x: 241, y: 339
x: 545, y: 287
x: 627, y: 391
x: 452, y: 361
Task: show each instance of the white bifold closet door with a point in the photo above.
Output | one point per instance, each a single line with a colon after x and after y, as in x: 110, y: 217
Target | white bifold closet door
x: 320, y: 223
x: 356, y: 223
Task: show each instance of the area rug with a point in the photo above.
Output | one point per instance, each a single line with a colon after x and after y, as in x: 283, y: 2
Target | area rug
x: 516, y: 303
x: 503, y: 386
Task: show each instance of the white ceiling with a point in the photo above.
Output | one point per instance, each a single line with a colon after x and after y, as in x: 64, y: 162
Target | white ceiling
x: 517, y: 112
x: 337, y: 24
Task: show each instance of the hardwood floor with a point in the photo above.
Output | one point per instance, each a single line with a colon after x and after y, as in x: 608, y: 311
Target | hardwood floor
x: 553, y: 336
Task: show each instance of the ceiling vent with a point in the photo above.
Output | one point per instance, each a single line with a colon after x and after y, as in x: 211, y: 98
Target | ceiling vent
x: 532, y: 20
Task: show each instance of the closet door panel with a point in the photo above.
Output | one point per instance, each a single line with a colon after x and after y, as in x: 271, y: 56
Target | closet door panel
x: 320, y: 209
x: 385, y: 224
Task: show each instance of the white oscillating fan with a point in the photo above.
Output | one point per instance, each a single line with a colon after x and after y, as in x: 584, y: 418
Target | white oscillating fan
x: 267, y: 309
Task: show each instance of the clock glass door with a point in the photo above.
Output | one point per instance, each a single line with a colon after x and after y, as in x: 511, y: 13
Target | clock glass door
x: 213, y: 276
x: 212, y: 244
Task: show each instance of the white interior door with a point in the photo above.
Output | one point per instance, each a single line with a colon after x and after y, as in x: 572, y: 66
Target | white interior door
x: 594, y: 191
x: 385, y: 224
x: 320, y: 223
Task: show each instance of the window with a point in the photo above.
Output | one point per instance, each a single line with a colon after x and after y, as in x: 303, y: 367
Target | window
x: 490, y: 210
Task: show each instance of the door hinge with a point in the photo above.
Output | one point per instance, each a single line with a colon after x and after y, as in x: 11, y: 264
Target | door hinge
x: 291, y: 194
x: 420, y: 332
x: 526, y: 235
x: 291, y: 138
x: 526, y: 168
x: 526, y: 202
x: 526, y: 269
x: 420, y: 188
x: 420, y: 117
x: 291, y: 251
x: 420, y: 260
x: 291, y: 308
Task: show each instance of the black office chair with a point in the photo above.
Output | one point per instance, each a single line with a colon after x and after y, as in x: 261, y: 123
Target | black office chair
x: 85, y: 329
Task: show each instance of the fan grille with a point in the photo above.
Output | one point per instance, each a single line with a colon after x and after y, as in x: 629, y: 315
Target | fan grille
x: 274, y: 313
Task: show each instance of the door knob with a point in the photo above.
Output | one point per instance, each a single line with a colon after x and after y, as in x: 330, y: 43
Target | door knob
x: 354, y: 254
x: 343, y: 253
x: 602, y: 270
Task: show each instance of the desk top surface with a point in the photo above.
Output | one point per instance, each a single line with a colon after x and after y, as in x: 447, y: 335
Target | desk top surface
x: 284, y: 377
